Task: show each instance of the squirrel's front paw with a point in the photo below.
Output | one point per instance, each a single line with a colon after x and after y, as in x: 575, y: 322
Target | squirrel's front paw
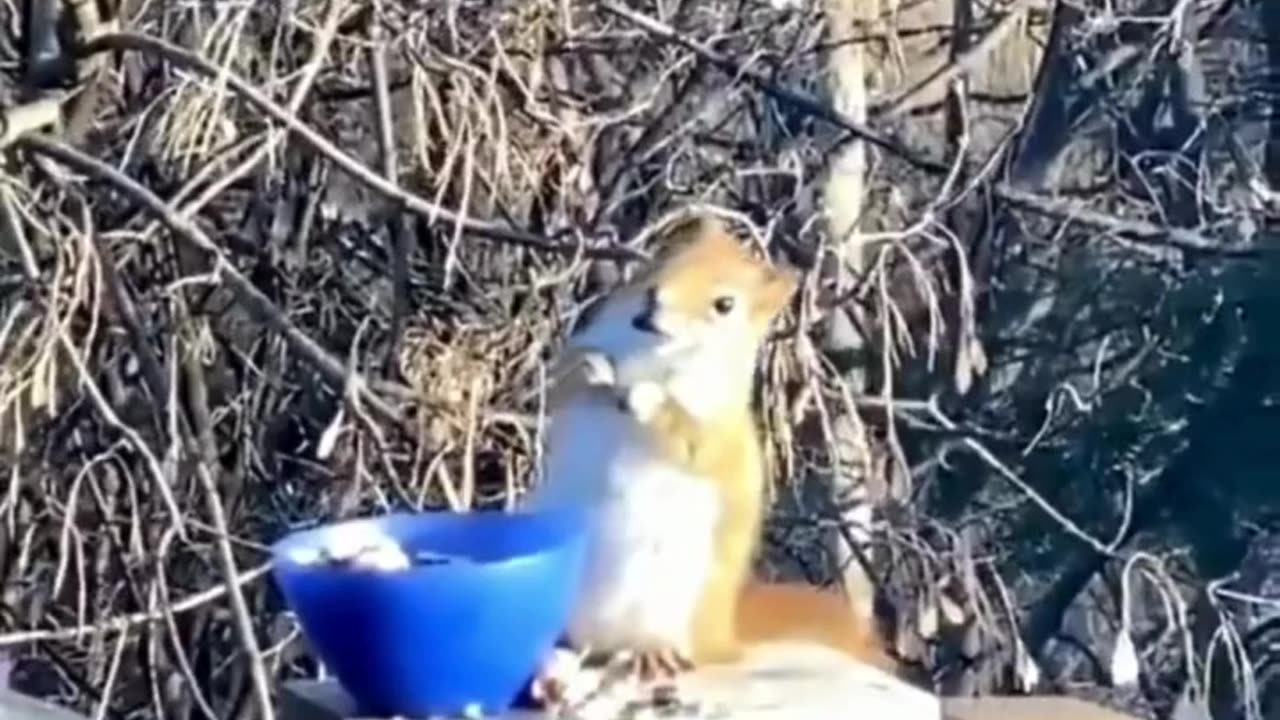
x: 561, y: 681
x: 643, y: 399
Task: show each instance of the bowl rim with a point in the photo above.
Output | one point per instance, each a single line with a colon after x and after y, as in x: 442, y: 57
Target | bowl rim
x: 575, y: 532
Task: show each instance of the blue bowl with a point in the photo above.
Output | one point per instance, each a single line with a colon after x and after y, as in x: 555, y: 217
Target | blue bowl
x: 438, y: 639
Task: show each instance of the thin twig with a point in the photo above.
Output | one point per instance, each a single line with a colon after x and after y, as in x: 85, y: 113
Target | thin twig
x: 804, y: 103
x: 253, y: 298
x: 125, y: 623
x: 396, y: 228
x: 963, y: 64
x: 429, y: 211
x: 205, y: 462
x: 1138, y: 231
x: 301, y: 91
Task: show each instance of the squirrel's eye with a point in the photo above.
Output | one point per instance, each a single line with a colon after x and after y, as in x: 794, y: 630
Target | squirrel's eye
x: 723, y: 304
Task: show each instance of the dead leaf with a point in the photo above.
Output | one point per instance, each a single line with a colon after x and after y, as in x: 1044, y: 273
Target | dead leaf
x: 1124, y: 662
x: 927, y: 616
x: 953, y: 613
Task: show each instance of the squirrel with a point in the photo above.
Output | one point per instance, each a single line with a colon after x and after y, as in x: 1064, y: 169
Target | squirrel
x: 650, y: 423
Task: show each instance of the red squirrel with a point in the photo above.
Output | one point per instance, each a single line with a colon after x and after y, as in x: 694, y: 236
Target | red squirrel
x: 650, y: 423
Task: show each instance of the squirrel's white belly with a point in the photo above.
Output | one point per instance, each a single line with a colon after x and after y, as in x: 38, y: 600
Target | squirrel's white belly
x: 652, y: 541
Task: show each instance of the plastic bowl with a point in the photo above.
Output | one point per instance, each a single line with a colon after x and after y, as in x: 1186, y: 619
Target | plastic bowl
x: 439, y: 639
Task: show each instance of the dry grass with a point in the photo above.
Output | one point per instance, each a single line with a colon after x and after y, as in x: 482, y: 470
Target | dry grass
x: 310, y: 259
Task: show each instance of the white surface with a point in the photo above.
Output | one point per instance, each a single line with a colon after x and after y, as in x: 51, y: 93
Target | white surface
x: 791, y: 681
x: 776, y: 682
x: 800, y: 680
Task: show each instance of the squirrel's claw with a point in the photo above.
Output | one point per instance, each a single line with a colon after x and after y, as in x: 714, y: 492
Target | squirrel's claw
x: 660, y: 664
x: 657, y: 668
x: 557, y: 679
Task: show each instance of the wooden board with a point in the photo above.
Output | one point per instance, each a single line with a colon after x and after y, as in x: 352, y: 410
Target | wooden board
x: 16, y: 706
x: 1026, y: 707
x: 777, y: 682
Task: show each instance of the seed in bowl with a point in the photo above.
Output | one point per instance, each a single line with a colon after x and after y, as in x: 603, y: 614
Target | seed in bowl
x: 357, y: 546
x: 428, y: 557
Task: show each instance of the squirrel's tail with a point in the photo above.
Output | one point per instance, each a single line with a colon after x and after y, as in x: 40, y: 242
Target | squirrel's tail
x: 793, y: 611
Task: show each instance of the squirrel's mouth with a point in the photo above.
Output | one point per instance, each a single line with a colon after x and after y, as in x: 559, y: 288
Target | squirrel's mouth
x: 644, y: 323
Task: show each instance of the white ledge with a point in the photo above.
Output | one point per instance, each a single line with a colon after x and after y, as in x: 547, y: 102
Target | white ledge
x: 779, y: 681
x: 775, y: 682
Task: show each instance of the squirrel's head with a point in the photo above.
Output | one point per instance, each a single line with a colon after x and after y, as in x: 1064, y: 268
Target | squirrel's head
x: 697, y: 314
x: 704, y: 287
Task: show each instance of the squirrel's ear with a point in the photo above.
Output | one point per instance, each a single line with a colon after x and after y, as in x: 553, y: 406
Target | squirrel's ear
x: 779, y: 285
x: 686, y: 231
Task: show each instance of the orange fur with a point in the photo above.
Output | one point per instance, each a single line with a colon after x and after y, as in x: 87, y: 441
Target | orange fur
x: 698, y: 265
x: 700, y: 259
x: 791, y: 611
x: 728, y: 452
